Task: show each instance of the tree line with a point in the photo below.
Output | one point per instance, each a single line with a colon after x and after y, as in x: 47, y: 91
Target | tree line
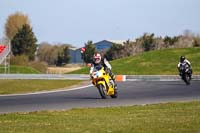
x: 54, y: 54
x: 146, y: 42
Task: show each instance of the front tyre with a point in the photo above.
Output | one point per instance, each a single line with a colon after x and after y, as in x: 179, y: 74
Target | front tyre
x: 187, y: 79
x: 102, y: 91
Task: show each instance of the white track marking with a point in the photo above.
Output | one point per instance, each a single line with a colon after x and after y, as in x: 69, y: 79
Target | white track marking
x: 45, y: 92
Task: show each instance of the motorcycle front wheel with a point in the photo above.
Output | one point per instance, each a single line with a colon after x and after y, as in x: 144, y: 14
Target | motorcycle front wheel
x: 102, y: 91
x: 187, y: 79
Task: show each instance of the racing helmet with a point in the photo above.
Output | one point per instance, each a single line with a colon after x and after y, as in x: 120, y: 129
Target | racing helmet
x: 97, y: 58
x: 182, y: 58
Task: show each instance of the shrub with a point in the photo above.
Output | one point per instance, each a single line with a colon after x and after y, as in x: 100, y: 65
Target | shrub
x: 196, y: 42
x: 21, y: 60
x: 40, y: 66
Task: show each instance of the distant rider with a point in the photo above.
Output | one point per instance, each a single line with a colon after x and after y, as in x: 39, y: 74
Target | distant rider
x: 98, y: 60
x: 182, y: 61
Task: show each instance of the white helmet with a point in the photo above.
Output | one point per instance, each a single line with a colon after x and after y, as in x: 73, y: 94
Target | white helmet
x: 97, y: 58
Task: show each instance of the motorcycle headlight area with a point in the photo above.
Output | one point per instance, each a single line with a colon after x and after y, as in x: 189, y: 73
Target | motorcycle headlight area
x: 98, y: 74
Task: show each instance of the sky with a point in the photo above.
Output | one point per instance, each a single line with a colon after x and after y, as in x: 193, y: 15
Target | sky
x: 77, y: 21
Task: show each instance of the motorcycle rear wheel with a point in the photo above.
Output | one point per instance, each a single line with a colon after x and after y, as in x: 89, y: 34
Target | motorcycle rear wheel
x: 115, y: 94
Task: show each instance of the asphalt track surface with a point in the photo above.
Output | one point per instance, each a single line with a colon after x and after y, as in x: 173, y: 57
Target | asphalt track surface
x: 130, y: 93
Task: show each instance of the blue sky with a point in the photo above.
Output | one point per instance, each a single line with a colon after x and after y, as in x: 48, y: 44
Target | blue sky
x: 77, y: 21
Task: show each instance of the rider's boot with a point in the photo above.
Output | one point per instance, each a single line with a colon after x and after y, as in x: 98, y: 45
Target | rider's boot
x: 113, y: 78
x: 115, y: 84
x: 190, y: 73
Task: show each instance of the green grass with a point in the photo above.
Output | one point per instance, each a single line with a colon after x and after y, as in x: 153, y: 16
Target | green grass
x: 163, y: 62
x: 24, y: 86
x: 158, y: 118
x: 20, y: 69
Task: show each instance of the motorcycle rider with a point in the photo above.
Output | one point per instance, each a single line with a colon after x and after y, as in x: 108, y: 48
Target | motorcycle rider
x: 181, y: 62
x: 98, y: 60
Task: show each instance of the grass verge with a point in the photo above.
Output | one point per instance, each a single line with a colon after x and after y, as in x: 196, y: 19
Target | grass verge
x: 24, y: 86
x: 158, y: 118
x: 160, y: 62
x: 20, y: 69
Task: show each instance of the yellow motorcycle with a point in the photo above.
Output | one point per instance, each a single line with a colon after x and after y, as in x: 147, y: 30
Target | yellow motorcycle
x: 103, y: 82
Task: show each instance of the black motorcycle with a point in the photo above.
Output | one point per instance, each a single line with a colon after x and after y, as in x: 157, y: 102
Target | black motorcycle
x: 185, y: 73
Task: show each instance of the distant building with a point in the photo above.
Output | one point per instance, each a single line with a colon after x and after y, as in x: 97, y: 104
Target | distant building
x: 106, y: 44
x: 75, y: 53
x: 75, y: 56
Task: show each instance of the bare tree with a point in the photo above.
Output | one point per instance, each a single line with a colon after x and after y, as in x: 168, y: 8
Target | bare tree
x: 14, y: 23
